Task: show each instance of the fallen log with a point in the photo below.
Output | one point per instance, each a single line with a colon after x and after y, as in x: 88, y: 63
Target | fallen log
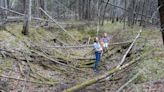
x: 15, y: 19
x: 89, y: 46
x: 55, y: 61
x: 84, y: 58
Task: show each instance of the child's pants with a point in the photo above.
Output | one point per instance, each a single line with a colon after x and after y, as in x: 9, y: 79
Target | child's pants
x: 98, y: 57
x: 106, y: 45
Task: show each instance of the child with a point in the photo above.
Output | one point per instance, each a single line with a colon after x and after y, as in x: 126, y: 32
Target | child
x: 105, y: 39
x: 98, y: 50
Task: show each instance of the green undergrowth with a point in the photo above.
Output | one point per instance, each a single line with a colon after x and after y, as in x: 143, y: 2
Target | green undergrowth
x: 151, y: 66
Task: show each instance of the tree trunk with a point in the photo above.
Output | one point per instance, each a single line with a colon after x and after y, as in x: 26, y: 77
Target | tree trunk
x: 143, y: 7
x: 102, y: 23
x: 38, y: 13
x: 27, y: 17
x: 161, y: 11
x: 125, y: 5
x: 3, y: 14
x: 45, y: 5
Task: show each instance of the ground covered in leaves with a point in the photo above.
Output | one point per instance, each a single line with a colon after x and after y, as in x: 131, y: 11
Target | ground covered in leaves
x: 40, y: 62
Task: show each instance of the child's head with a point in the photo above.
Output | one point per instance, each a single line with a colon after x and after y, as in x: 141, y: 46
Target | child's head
x: 96, y: 39
x: 105, y: 34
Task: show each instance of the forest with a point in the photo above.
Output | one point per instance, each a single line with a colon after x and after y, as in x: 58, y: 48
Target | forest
x: 81, y: 45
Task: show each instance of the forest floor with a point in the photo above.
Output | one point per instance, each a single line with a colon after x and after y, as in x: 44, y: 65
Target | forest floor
x: 40, y: 63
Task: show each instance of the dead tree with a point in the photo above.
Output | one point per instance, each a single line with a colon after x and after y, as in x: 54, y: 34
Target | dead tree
x: 27, y: 17
x: 161, y: 11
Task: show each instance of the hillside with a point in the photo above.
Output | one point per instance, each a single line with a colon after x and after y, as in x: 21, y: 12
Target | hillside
x: 50, y: 60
